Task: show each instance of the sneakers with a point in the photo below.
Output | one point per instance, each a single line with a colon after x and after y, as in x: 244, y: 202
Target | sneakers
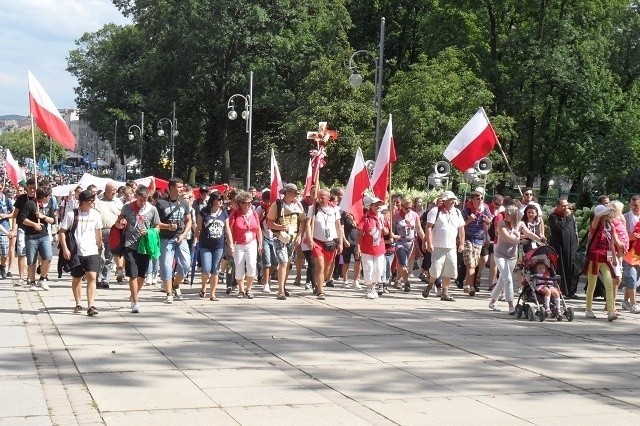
x: 472, y: 291
x: 177, y: 294
x: 77, y: 309
x: 102, y: 285
x: 347, y: 284
x: 169, y: 299
x: 626, y: 306
x: 466, y: 289
x: 356, y: 285
x: 634, y: 309
x: 512, y: 311
x: 330, y: 283
x: 281, y: 296
x: 3, y: 271
x: 446, y: 297
x: 43, y: 283
x: 438, y: 292
x: 493, y: 307
x: 372, y: 294
x: 266, y: 288
x: 320, y: 296
x: 147, y: 280
x: 407, y: 288
x: 32, y: 286
x: 135, y: 308
x: 92, y: 311
x: 119, y: 275
x: 590, y: 314
x: 611, y: 316
x: 307, y: 286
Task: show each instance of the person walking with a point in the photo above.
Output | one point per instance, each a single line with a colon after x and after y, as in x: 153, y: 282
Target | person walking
x: 477, y: 219
x: 371, y: 231
x: 86, y: 225
x: 175, y: 225
x: 6, y: 213
x: 247, y: 243
x: 564, y: 240
x: 141, y: 216
x: 109, y: 206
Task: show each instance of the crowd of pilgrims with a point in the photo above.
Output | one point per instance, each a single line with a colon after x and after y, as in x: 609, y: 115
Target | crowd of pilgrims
x: 244, y: 239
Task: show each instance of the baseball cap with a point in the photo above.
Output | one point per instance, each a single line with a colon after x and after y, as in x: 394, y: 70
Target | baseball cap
x: 368, y: 200
x: 448, y: 195
x: 204, y: 188
x: 86, y: 195
x: 289, y: 187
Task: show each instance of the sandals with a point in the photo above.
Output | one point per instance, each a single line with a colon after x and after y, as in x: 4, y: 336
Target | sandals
x: 321, y: 296
x: 77, y: 309
x: 240, y: 295
x: 249, y: 294
x: 202, y: 293
x: 92, y: 311
x: 213, y: 299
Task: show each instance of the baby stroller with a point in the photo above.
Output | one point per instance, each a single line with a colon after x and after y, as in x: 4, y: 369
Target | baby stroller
x: 530, y: 302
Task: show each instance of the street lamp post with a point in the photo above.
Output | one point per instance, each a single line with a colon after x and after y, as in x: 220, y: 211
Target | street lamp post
x: 174, y: 132
x: 355, y: 79
x: 132, y: 137
x: 247, y: 116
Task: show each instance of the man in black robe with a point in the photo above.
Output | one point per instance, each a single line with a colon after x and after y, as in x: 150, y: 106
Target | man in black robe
x: 564, y: 239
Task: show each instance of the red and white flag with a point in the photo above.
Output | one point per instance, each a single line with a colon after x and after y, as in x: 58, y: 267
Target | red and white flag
x: 46, y: 115
x: 358, y: 183
x: 276, y: 180
x: 386, y: 156
x: 308, y: 182
x: 14, y: 172
x: 473, y: 142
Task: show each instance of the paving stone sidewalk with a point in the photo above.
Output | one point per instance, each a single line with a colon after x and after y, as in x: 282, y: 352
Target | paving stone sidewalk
x: 400, y: 359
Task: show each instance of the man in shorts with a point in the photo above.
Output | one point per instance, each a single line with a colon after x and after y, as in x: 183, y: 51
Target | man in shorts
x: 18, y: 230
x: 477, y: 219
x: 86, y: 225
x: 631, y: 272
x: 407, y: 226
x: 35, y: 218
x: 286, y: 220
x: 444, y: 233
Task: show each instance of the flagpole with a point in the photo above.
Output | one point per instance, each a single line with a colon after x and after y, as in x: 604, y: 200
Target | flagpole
x: 390, y: 166
x: 33, y: 147
x: 515, y: 179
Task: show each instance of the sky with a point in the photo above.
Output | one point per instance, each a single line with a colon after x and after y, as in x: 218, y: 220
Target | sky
x: 37, y: 35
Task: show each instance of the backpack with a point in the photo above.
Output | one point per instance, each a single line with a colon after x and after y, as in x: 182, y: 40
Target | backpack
x: 72, y: 245
x: 116, y: 240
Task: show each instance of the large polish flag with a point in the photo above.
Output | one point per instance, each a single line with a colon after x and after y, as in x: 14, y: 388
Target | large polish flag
x: 276, y: 179
x: 15, y: 173
x: 47, y: 116
x: 473, y: 142
x: 358, y: 183
x: 386, y: 156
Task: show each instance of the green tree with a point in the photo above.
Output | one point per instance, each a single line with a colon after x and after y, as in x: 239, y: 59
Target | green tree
x: 20, y: 145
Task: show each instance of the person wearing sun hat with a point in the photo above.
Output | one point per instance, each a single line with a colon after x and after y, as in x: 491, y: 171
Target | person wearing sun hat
x: 370, y: 244
x: 444, y: 238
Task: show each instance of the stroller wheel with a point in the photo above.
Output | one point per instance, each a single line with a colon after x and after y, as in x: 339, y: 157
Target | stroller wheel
x: 530, y: 314
x: 569, y: 313
x: 518, y: 311
x: 542, y: 314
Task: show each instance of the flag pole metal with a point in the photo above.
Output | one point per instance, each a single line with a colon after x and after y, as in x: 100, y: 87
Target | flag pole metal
x: 33, y: 147
x: 515, y: 180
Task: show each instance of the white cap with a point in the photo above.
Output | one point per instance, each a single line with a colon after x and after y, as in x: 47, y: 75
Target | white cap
x: 448, y: 195
x: 368, y: 200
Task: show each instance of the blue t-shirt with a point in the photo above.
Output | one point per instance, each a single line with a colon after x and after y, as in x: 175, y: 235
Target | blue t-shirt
x: 212, y: 235
x: 474, y: 231
x: 6, y: 206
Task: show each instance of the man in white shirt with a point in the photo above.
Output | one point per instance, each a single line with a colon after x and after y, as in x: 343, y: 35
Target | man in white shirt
x: 109, y: 206
x: 444, y: 225
x: 81, y: 242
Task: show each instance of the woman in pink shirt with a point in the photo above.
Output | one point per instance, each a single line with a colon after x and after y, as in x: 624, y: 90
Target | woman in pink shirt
x: 370, y: 244
x: 247, y: 243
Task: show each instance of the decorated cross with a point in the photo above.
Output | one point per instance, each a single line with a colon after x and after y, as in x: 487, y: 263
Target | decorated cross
x: 321, y: 138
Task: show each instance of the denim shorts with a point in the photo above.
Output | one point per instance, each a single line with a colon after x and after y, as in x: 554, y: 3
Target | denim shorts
x: 630, y: 276
x: 210, y: 259
x: 403, y: 250
x: 35, y: 246
x: 268, y: 253
x: 284, y: 252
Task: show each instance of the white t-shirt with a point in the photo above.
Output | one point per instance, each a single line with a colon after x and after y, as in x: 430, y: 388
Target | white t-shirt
x: 85, y: 233
x: 445, y: 230
x: 325, y: 222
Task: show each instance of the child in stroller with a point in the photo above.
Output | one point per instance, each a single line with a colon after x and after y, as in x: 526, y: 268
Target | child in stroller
x: 541, y: 286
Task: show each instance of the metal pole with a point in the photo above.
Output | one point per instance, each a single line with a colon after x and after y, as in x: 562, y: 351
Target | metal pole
x: 250, y: 119
x: 173, y: 126
x: 115, y: 144
x: 50, y: 151
x: 141, y: 140
x: 379, y: 72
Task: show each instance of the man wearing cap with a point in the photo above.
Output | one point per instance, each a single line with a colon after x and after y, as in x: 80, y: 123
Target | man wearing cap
x: 445, y: 224
x: 201, y: 200
x: 109, y: 206
x: 87, y: 235
x: 286, y: 219
x: 407, y: 226
x: 477, y: 219
x: 371, y: 233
